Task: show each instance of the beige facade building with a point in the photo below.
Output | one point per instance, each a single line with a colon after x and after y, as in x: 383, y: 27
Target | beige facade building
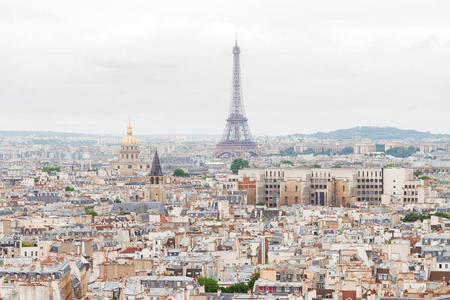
x: 343, y: 196
x: 369, y: 185
x: 335, y: 186
x: 364, y: 147
x: 322, y: 147
x: 290, y: 192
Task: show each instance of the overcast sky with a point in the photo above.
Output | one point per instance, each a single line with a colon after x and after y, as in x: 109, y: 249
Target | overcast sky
x: 89, y: 66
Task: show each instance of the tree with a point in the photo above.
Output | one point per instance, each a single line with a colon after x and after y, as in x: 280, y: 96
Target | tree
x: 401, y: 151
x: 346, y: 150
x: 69, y: 189
x: 379, y: 147
x: 211, y: 286
x: 260, y: 203
x: 240, y: 287
x: 417, y: 173
x: 252, y: 280
x: 411, y: 217
x: 326, y: 152
x: 238, y: 164
x: 389, y: 166
x: 308, y: 151
x: 316, y: 166
x: 286, y: 162
x: 288, y: 152
x: 49, y: 169
x: 336, y: 166
x: 180, y: 173
x: 90, y: 212
x: 442, y: 215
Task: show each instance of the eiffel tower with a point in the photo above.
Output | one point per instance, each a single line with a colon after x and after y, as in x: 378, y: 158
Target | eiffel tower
x: 236, y: 140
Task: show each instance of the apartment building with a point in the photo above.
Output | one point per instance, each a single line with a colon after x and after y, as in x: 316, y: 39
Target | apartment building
x: 332, y: 187
x: 364, y: 147
x: 369, y: 185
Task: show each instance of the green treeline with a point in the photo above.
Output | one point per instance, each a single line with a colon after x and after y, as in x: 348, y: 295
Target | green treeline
x: 211, y: 286
x: 180, y: 173
x: 49, y: 169
x: 401, y: 151
x: 412, y: 217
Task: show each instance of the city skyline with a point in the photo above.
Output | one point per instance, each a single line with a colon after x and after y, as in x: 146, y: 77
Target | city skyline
x: 308, y: 68
x: 225, y: 150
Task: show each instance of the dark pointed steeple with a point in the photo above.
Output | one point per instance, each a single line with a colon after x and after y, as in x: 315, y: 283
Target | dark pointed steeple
x: 156, y: 166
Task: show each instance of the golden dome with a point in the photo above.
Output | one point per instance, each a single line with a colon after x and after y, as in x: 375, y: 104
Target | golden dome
x: 129, y: 139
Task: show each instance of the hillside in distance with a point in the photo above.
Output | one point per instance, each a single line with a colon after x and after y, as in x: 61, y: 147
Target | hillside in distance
x: 356, y: 133
x: 378, y: 133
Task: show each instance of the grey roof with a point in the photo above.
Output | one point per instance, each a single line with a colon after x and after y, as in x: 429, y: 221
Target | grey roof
x: 47, y: 198
x: 141, y: 207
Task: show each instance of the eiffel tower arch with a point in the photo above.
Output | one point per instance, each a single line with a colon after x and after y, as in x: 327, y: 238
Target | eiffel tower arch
x: 236, y: 140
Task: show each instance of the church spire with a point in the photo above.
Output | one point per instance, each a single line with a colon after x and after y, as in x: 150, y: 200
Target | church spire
x: 156, y: 166
x: 129, y: 129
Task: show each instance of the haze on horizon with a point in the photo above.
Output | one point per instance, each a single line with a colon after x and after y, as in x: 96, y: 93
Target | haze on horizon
x: 307, y: 66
